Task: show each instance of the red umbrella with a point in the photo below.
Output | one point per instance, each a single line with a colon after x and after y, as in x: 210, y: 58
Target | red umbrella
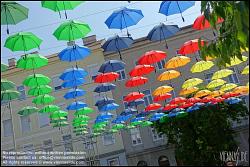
x: 162, y: 97
x: 186, y: 105
x: 178, y: 100
x: 193, y: 100
x: 218, y: 99
x: 152, y: 57
x: 201, y: 23
x: 169, y: 107
x: 136, y: 81
x: 190, y: 47
x: 106, y: 77
x: 230, y: 94
x: 140, y: 70
x: 133, y: 96
x: 207, y: 99
x: 154, y: 106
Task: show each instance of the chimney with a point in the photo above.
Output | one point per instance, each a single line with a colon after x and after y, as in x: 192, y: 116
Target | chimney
x: 70, y: 43
x: 89, y: 40
x: 12, y: 62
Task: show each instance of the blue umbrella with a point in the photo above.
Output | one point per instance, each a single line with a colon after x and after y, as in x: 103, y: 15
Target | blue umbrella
x: 73, y: 93
x: 177, y: 110
x: 128, y: 111
x: 104, y: 101
x: 171, y: 114
x: 174, y: 7
x: 109, y: 107
x: 76, y: 105
x: 116, y: 44
x: 117, y: 121
x: 137, y: 119
x: 73, y: 73
x: 162, y: 32
x: 74, y: 53
x: 124, y: 18
x: 104, y: 87
x: 192, y: 108
x: 135, y: 102
x: 233, y: 100
x: 142, y: 114
x: 105, y: 116
x: 199, y: 104
x: 111, y: 66
x: 73, y: 83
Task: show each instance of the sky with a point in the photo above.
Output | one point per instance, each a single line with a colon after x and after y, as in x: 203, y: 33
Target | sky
x: 42, y: 22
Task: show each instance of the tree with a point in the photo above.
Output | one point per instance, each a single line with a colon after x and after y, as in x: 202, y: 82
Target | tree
x: 200, y: 136
x: 233, y: 33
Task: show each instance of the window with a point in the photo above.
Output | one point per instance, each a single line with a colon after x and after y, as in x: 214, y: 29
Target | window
x: 156, y: 136
x: 122, y: 75
x: 25, y: 123
x: 93, y: 70
x: 135, y: 136
x: 67, y: 140
x: 148, y: 97
x: 21, y: 89
x: 233, y: 78
x: 7, y: 128
x: 113, y: 162
x: 208, y: 77
x: 108, y: 139
x: 161, y: 64
x: 57, y: 82
x: 125, y: 103
x: 47, y: 145
x: 29, y: 150
x: 43, y: 119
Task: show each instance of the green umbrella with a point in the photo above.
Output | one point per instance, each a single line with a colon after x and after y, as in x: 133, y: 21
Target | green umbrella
x: 56, y: 120
x: 36, y: 80
x: 114, y: 130
x: 58, y: 6
x: 27, y: 110
x: 146, y: 123
x: 84, y: 111
x: 181, y: 114
x: 49, y: 108
x: 80, y: 130
x: 164, y: 119
x: 81, y: 118
x: 60, y: 124
x: 9, y: 95
x: 32, y: 61
x: 135, y: 123
x: 6, y: 84
x: 118, y: 126
x: 80, y: 124
x: 12, y: 13
x: 43, y: 99
x: 40, y: 90
x: 71, y: 30
x: 130, y: 127
x: 58, y: 114
x: 96, y: 134
x: 22, y: 41
x: 4, y: 67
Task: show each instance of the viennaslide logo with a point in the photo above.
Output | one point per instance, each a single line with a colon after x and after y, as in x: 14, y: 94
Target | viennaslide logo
x: 233, y: 156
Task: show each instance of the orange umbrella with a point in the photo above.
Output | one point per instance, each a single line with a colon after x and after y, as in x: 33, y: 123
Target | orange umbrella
x: 189, y: 90
x: 216, y: 93
x: 244, y: 90
x: 177, y: 61
x: 202, y: 93
x: 162, y: 90
x: 168, y: 75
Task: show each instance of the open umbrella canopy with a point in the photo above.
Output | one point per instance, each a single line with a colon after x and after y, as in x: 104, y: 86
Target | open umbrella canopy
x: 245, y: 71
x: 40, y: 90
x: 133, y: 96
x: 74, y: 93
x: 128, y: 112
x: 174, y: 7
x: 76, y: 105
x: 27, y: 110
x: 215, y: 83
x: 230, y: 94
x: 104, y: 87
x: 178, y: 100
x: 201, y: 66
x: 104, y: 101
x: 135, y: 102
x: 152, y: 57
x: 192, y: 82
x: 169, y: 107
x: 207, y: 99
x: 233, y: 100
x: 12, y: 13
x: 236, y: 61
x: 74, y: 53
x: 136, y: 81
x: 108, y: 107
x: 177, y: 61
x: 73, y: 73
x: 202, y: 93
x: 71, y: 30
x: 190, y: 47
x: 118, y: 126
x: 154, y: 106
x: 9, y: 95
x: 43, y: 99
x: 22, y: 41
x: 228, y: 86
x: 222, y: 74
x: 58, y: 114
x: 186, y: 105
x: 162, y: 97
x: 84, y: 111
x: 168, y: 75
x: 202, y: 23
x: 73, y: 83
x: 32, y: 61
x: 60, y: 124
x: 218, y: 99
x: 106, y: 77
x: 81, y: 118
x: 137, y: 119
x: 105, y: 115
x: 216, y: 93
x: 112, y: 66
x: 162, y: 90
x: 6, y: 84
x: 241, y: 90
x: 49, y: 108
x: 193, y: 100
x: 36, y: 80
x: 181, y: 114
x: 146, y: 123
x: 4, y: 67
x: 188, y: 90
x: 140, y: 70
x: 192, y: 108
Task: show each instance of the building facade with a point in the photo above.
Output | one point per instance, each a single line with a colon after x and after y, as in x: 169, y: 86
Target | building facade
x: 143, y: 145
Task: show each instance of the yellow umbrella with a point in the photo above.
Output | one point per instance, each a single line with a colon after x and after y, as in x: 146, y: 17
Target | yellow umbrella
x: 242, y: 90
x: 215, y: 83
x: 235, y: 61
x: 228, y: 86
x: 202, y: 93
x: 242, y: 50
x: 177, y: 61
x: 188, y: 90
x: 201, y: 66
x: 208, y: 58
x: 162, y: 90
x: 245, y: 70
x: 216, y: 93
x: 192, y: 82
x: 222, y: 74
x: 168, y: 75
